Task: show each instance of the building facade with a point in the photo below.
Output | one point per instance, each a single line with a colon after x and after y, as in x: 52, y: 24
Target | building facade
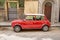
x: 14, y: 9
x: 51, y: 9
x: 11, y: 9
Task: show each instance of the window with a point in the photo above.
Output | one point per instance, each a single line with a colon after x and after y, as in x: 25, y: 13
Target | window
x: 31, y: 0
x: 34, y: 18
x: 2, y: 4
x: 29, y: 17
x: 34, y: 0
x: 21, y: 3
x: 39, y: 17
x: 13, y: 4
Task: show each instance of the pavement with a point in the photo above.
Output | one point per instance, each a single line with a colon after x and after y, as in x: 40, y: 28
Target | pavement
x: 53, y: 34
x: 5, y: 24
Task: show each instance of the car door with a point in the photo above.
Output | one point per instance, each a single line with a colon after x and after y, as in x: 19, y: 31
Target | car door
x: 27, y: 24
x: 37, y: 24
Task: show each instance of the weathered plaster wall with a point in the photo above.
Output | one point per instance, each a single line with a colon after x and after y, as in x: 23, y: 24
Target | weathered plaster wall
x: 55, y: 9
x: 31, y: 7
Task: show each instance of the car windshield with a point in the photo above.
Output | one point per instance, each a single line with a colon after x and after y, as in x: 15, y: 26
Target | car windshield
x: 34, y: 17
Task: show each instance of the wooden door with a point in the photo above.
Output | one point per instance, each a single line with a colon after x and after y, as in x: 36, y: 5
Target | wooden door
x: 47, y: 10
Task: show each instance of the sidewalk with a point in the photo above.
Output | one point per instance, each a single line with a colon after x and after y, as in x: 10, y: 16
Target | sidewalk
x: 56, y: 24
x: 5, y: 24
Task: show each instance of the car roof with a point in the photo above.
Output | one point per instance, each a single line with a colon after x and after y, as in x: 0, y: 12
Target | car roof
x: 34, y: 14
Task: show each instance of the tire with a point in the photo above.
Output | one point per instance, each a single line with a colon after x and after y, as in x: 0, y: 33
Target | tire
x: 45, y: 28
x: 17, y: 28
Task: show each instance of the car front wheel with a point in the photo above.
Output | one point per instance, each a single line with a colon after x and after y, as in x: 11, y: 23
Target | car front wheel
x: 17, y: 28
x: 45, y: 28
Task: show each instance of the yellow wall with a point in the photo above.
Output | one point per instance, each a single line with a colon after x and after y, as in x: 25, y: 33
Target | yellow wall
x: 31, y: 7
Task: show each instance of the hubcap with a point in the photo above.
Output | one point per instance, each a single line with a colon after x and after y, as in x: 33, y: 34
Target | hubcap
x: 17, y: 28
x: 45, y: 28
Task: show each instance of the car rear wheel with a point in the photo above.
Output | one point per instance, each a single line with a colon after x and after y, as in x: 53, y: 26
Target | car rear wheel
x: 17, y: 28
x: 45, y: 28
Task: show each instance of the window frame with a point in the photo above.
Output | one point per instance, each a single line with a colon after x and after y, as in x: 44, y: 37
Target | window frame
x: 21, y: 2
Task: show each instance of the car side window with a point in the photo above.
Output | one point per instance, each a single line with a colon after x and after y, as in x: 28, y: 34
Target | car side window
x: 38, y: 17
x: 42, y: 17
x: 34, y: 17
x: 29, y: 18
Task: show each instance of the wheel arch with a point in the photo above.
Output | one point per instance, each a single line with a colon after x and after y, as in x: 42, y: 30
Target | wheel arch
x: 17, y: 25
x: 44, y: 25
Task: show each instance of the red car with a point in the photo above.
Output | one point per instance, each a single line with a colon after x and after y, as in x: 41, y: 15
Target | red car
x: 31, y: 21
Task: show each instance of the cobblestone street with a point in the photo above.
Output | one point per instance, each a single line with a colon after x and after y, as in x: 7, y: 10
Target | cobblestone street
x: 53, y: 34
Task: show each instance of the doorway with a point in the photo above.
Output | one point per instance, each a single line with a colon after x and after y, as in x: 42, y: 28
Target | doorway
x: 12, y: 10
x: 47, y: 10
x: 59, y: 14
